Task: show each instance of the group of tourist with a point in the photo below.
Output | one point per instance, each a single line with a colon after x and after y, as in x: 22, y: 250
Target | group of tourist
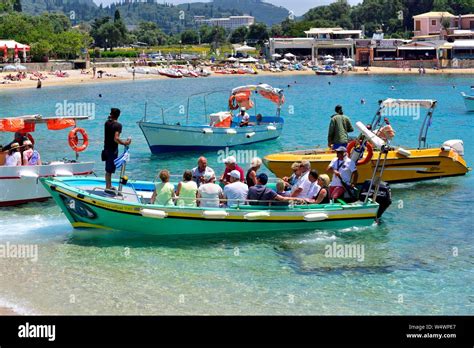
x: 21, y: 152
x: 199, y: 186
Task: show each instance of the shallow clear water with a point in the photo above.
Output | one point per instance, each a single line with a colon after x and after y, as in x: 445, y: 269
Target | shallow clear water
x: 419, y: 261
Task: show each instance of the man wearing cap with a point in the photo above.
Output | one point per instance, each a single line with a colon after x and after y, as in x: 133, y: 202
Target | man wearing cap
x: 201, y: 170
x: 230, y: 165
x: 112, y: 131
x: 244, y: 117
x: 339, y: 127
x: 236, y: 191
x: 344, y: 172
x: 262, y: 195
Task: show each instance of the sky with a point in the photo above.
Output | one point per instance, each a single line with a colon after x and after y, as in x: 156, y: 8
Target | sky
x: 299, y: 7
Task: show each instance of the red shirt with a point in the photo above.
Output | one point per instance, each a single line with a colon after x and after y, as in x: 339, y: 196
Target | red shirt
x: 227, y: 173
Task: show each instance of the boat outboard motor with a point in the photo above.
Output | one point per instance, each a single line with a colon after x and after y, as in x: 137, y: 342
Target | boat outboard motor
x: 384, y: 195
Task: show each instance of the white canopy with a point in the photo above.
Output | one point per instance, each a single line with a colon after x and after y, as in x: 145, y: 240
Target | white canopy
x: 12, y: 43
x: 349, y: 60
x: 329, y: 61
x: 232, y: 59
x: 290, y: 55
x: 285, y: 61
x: 328, y: 57
x: 390, y: 103
x: 245, y: 48
x: 276, y: 55
x: 249, y: 60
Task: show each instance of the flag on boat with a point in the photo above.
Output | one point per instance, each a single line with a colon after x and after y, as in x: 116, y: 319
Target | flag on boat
x: 122, y: 159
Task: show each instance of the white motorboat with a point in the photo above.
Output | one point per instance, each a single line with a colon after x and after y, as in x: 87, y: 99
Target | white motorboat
x: 20, y: 184
x: 468, y: 101
x: 222, y: 129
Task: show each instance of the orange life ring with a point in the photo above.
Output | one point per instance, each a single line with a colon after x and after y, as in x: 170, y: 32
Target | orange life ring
x: 370, y: 152
x: 30, y: 138
x: 233, y: 104
x: 73, y: 139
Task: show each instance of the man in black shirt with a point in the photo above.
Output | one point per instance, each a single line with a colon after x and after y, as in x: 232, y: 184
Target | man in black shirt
x: 112, y: 130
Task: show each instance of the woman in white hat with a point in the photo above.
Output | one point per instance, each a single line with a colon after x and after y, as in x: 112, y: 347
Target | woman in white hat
x: 14, y: 156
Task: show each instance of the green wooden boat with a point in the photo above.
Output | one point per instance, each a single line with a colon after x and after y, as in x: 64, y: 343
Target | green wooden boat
x: 87, y: 205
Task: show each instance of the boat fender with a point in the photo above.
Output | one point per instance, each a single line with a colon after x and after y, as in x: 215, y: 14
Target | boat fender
x: 249, y: 135
x: 74, y: 140
x: 215, y: 214
x: 63, y: 172
x: 271, y: 128
x: 362, y: 161
x: 155, y: 214
x: 257, y: 215
x: 403, y: 152
x: 28, y: 174
x: 207, y: 131
x: 315, y: 217
x: 370, y: 135
x: 231, y: 131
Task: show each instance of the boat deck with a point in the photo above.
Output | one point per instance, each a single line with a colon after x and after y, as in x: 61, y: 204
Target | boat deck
x: 128, y: 194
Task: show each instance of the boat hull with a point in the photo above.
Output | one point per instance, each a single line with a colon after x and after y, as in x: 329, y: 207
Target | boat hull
x: 469, y: 102
x: 164, y: 138
x: 424, y: 164
x: 20, y: 185
x: 85, y: 210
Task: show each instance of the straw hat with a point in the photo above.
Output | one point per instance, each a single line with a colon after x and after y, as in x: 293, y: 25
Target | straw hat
x: 14, y: 146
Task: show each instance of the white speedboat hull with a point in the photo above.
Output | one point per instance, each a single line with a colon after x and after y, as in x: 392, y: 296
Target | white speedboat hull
x: 21, y: 184
x: 469, y: 102
x: 164, y: 138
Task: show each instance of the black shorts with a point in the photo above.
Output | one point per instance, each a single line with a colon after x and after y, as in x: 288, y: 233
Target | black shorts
x: 109, y: 157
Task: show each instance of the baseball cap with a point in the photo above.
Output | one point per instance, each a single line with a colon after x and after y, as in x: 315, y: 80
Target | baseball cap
x: 235, y: 174
x: 243, y: 108
x: 341, y: 149
x: 230, y: 160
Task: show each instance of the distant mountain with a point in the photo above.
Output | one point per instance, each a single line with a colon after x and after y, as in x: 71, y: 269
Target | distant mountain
x: 167, y: 16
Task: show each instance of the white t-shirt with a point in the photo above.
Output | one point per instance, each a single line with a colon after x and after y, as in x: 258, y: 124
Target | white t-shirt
x: 304, y: 184
x: 313, y: 190
x: 210, y: 195
x: 197, y: 175
x: 237, y: 191
x: 13, y: 160
x: 346, y: 167
x: 245, y: 117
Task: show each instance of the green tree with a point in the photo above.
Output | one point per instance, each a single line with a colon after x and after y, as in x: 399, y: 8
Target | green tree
x: 239, y: 35
x: 258, y: 33
x: 189, y: 37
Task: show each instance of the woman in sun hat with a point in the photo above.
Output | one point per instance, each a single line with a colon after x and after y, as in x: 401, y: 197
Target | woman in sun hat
x: 14, y: 156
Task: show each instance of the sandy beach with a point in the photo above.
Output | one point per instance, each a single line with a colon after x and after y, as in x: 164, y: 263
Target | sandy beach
x: 120, y: 74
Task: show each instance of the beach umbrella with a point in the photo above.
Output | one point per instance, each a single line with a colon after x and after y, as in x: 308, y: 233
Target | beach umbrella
x: 249, y: 60
x: 16, y: 51
x: 5, y: 53
x: 245, y: 48
x: 290, y: 55
x: 329, y: 61
x: 285, y: 61
x: 276, y: 55
x: 328, y: 57
x: 232, y: 59
x: 349, y: 60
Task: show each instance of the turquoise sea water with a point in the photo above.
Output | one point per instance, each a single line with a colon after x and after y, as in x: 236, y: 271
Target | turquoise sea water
x: 419, y: 261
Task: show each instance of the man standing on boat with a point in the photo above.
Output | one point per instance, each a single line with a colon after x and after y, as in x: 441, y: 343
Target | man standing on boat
x: 339, y: 128
x: 112, y: 131
x: 344, y: 171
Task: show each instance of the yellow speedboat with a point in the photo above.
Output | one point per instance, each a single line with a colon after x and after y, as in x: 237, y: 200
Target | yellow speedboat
x: 402, y: 164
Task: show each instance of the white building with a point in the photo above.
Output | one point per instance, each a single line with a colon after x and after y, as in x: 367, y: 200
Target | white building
x: 230, y: 23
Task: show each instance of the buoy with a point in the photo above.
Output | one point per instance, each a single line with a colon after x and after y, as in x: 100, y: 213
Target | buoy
x: 315, y: 217
x: 155, y: 214
x: 404, y: 152
x: 215, y: 214
x: 257, y: 215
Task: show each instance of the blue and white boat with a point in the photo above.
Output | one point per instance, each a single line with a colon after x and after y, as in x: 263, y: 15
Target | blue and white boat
x: 221, y: 129
x: 469, y: 101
